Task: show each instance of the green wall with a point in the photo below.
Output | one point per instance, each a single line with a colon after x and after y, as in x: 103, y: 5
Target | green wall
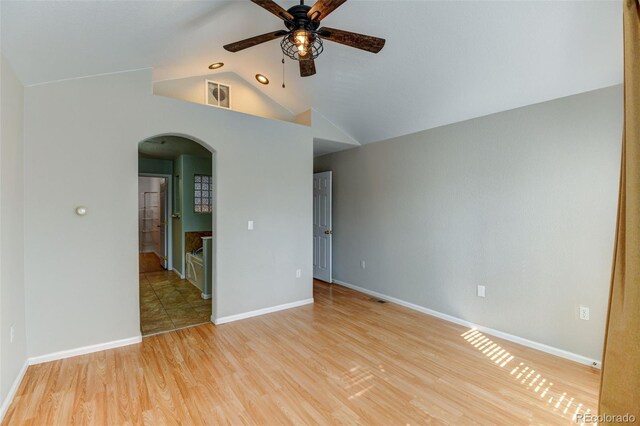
x: 184, y: 168
x: 177, y: 240
x: 148, y: 165
x: 192, y: 221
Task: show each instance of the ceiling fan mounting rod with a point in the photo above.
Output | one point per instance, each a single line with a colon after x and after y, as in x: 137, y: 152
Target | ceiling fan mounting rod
x: 301, y: 19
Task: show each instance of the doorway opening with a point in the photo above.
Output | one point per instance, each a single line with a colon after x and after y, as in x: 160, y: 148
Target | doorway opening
x: 322, y: 223
x: 152, y: 223
x: 176, y: 211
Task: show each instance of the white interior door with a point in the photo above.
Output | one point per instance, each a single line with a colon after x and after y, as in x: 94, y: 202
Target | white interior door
x: 322, y: 233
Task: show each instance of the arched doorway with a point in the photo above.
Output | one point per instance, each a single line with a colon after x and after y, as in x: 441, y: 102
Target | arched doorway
x: 176, y: 232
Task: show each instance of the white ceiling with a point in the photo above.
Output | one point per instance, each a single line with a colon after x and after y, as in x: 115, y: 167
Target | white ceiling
x: 444, y: 61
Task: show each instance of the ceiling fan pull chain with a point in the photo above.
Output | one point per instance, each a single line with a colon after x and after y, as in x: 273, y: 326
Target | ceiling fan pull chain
x: 283, y: 86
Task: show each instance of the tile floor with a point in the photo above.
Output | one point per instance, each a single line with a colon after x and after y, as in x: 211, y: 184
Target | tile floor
x: 149, y: 262
x: 168, y: 302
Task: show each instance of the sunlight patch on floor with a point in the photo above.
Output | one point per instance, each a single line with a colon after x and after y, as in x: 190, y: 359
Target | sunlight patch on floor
x: 358, y: 381
x: 525, y: 375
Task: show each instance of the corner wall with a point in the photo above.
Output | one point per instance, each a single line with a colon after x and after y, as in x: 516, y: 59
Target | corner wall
x: 82, y: 272
x: 522, y: 202
x: 13, y: 355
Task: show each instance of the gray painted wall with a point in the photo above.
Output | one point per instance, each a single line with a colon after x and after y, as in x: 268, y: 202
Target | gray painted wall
x: 82, y: 272
x: 12, y: 311
x: 523, y: 202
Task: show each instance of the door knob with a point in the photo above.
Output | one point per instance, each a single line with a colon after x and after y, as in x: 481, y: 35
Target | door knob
x: 328, y: 232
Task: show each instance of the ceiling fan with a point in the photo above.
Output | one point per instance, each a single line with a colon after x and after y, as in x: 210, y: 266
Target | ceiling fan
x: 302, y: 40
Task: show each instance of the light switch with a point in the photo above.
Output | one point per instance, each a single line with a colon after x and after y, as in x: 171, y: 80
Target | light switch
x: 250, y: 225
x: 480, y: 291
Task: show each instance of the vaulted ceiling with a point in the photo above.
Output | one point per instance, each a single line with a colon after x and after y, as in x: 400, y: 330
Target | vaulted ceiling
x: 444, y: 61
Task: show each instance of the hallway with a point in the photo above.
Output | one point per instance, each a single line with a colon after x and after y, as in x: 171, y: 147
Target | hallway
x: 168, y: 303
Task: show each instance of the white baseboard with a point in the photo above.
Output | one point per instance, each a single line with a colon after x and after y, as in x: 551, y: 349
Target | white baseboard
x: 497, y: 333
x: 84, y: 350
x: 262, y: 311
x: 178, y: 273
x: 14, y: 388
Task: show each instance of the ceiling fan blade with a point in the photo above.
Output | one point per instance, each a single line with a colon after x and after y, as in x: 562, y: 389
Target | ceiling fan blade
x: 253, y: 41
x: 307, y: 67
x: 359, y: 41
x: 323, y: 8
x: 272, y: 7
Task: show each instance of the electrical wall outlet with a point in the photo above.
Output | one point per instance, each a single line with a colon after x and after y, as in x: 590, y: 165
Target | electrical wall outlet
x: 362, y: 264
x: 298, y: 273
x: 250, y: 225
x: 584, y: 313
x: 480, y: 291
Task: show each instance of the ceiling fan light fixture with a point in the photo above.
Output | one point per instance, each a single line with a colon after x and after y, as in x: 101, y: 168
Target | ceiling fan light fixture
x: 302, y: 44
x: 301, y: 39
x: 262, y: 79
x: 216, y: 65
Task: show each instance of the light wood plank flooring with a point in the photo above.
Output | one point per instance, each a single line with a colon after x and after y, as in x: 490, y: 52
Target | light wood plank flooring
x: 344, y: 360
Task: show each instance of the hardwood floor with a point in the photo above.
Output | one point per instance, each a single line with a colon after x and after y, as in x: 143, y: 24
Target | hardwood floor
x: 344, y: 360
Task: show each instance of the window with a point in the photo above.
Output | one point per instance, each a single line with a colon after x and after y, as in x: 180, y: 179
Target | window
x: 202, y: 194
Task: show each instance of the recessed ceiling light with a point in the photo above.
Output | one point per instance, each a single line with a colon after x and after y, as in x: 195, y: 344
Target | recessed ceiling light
x: 262, y: 79
x: 216, y: 65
